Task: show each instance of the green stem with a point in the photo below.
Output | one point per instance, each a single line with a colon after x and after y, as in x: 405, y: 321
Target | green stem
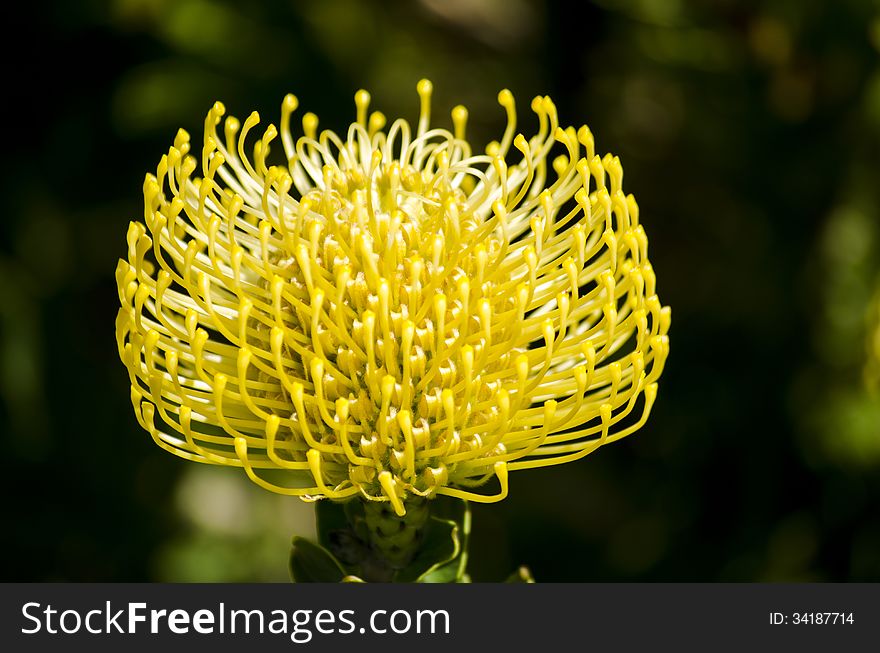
x: 393, y: 539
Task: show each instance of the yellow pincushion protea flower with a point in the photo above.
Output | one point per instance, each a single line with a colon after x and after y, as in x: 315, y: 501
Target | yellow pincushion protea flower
x: 388, y: 314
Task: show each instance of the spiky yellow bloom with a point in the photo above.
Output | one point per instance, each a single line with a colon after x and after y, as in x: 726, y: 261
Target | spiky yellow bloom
x: 388, y: 314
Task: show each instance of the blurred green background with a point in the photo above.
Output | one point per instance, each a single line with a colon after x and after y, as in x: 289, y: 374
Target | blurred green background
x: 750, y: 135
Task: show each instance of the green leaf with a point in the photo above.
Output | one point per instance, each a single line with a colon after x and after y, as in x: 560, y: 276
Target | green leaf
x: 440, y: 546
x: 337, y: 535
x: 311, y: 563
x: 521, y: 575
x: 455, y: 570
x: 448, y: 573
x: 353, y: 579
x: 329, y: 517
x: 465, y: 525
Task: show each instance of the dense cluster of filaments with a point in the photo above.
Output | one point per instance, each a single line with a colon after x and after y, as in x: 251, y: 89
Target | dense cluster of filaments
x: 388, y: 314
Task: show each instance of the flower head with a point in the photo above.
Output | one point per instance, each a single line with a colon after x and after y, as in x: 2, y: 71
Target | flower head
x: 388, y: 314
